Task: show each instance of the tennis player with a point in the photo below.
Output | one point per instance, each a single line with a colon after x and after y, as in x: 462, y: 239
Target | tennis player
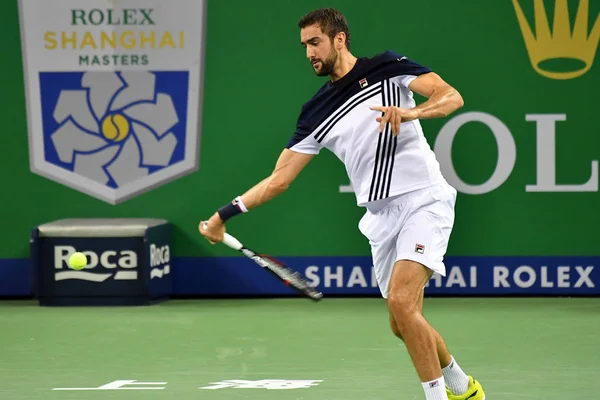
x: 366, y: 115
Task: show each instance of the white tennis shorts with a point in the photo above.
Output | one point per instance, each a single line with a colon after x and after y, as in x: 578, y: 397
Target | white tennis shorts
x: 414, y: 226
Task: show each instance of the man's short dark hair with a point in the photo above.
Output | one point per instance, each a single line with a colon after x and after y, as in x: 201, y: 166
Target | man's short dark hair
x: 330, y: 20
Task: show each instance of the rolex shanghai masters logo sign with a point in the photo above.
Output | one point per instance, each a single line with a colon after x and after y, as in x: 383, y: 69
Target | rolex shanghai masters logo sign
x: 114, y: 92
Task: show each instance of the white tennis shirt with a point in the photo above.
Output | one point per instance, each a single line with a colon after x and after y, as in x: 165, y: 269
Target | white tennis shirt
x: 338, y: 118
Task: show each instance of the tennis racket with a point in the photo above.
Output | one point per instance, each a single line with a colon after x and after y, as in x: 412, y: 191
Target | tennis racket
x: 284, y: 273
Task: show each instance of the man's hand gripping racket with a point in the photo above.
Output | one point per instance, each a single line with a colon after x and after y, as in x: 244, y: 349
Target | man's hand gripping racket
x: 281, y: 271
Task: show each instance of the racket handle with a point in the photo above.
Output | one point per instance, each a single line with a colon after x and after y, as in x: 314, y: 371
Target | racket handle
x: 232, y: 242
x: 229, y: 240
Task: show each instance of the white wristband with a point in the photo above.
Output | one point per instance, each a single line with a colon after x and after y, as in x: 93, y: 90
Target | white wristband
x: 239, y: 202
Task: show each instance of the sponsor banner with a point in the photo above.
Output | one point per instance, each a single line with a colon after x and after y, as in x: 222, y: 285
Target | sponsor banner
x: 119, y: 270
x: 355, y: 276
x: 114, y: 268
x: 532, y: 186
x: 349, y: 276
x: 113, y: 92
x: 157, y: 250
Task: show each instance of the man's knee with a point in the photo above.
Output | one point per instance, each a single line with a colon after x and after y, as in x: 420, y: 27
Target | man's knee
x: 394, y: 326
x: 403, y: 306
x: 396, y: 332
x: 405, y: 297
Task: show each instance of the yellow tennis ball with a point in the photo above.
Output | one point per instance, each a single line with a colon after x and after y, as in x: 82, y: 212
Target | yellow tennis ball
x: 77, y: 261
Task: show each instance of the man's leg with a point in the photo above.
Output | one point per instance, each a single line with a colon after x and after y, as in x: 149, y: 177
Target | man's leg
x: 406, y: 284
x: 444, y: 355
x: 404, y: 271
x: 454, y: 377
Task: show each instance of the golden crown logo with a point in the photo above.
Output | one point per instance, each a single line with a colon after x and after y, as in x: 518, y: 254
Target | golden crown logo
x: 560, y: 44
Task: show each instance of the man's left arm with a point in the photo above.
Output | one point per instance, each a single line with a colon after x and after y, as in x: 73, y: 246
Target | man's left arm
x: 442, y: 99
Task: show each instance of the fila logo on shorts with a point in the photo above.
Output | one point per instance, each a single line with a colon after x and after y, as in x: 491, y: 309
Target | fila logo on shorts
x: 363, y: 83
x: 419, y: 248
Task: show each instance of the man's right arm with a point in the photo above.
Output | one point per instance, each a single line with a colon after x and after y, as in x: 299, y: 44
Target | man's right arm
x: 300, y: 149
x: 288, y: 166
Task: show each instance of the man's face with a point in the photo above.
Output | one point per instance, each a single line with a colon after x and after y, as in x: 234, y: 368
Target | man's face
x: 319, y: 50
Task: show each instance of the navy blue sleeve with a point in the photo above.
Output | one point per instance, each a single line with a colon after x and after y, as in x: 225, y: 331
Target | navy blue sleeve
x: 302, y: 128
x: 410, y: 67
x: 391, y: 64
x: 312, y: 112
x: 301, y: 141
x: 407, y: 66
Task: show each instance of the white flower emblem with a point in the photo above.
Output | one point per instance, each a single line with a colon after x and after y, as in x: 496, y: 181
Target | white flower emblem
x: 117, y: 129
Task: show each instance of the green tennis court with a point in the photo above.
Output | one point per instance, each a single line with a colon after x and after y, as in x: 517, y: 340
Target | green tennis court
x: 336, y: 349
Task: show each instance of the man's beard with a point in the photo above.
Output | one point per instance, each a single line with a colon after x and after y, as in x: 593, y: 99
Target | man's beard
x: 328, y: 64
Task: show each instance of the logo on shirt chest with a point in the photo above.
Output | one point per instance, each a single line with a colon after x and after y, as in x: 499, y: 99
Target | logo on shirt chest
x: 363, y: 83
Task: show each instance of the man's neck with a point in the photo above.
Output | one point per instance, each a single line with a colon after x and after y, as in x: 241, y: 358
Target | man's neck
x: 344, y: 65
